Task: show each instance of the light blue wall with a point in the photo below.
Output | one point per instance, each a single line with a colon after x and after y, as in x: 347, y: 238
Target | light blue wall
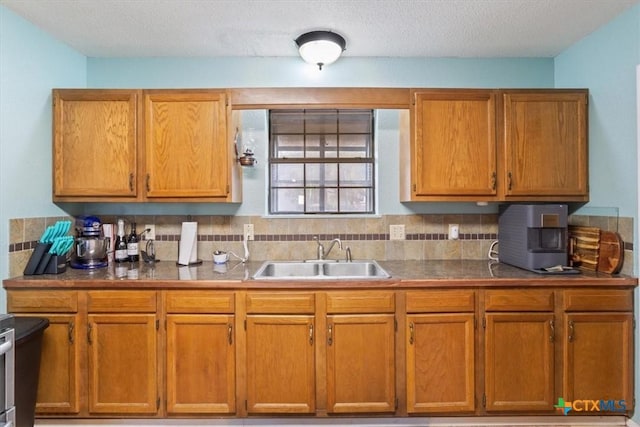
x: 605, y: 62
x: 31, y: 63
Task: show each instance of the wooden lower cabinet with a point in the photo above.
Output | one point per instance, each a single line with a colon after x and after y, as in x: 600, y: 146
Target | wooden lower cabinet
x: 59, y: 384
x: 200, y: 364
x: 440, y: 363
x: 122, y: 353
x: 598, y: 349
x: 280, y: 364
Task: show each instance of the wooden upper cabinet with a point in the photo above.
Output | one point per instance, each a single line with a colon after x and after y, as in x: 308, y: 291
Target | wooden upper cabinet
x: 186, y: 144
x: 454, y: 144
x: 545, y: 145
x: 94, y: 144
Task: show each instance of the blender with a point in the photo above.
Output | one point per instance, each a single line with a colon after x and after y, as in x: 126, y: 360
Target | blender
x: 91, y: 244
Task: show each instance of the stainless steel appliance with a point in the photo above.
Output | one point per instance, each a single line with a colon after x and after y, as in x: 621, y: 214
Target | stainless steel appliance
x: 533, y: 237
x: 7, y: 371
x: 91, y: 245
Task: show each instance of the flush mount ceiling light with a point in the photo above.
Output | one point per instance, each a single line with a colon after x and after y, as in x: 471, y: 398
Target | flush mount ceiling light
x: 320, y: 47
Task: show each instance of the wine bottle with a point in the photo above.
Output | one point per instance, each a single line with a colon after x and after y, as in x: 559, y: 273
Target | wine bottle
x: 132, y: 244
x: 120, y: 247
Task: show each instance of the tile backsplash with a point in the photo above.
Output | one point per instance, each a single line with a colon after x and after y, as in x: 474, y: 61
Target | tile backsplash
x: 292, y: 238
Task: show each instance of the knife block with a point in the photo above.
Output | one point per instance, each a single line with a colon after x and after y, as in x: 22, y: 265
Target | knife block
x: 37, y: 256
x: 57, y: 264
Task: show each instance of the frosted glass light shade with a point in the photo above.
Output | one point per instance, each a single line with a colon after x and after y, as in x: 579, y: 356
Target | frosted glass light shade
x: 320, y: 47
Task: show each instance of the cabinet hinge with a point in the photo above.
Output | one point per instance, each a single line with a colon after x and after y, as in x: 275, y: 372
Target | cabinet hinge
x: 484, y: 400
x: 157, y: 325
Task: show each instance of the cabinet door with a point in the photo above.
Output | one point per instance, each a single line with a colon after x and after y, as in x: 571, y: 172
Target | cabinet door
x: 200, y: 364
x: 454, y: 143
x: 361, y: 363
x: 545, y: 144
x: 440, y: 363
x: 59, y: 380
x: 599, y: 358
x: 122, y: 364
x: 280, y: 364
x: 519, y: 362
x: 94, y: 143
x: 186, y: 144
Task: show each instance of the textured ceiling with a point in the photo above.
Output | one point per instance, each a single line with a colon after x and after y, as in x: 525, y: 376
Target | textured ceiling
x: 379, y: 28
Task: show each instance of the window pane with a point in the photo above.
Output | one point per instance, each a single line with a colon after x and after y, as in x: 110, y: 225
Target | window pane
x: 356, y: 200
x: 284, y: 200
x: 321, y: 200
x: 287, y: 146
x: 355, y: 146
x: 321, y: 175
x: 287, y: 175
x: 321, y: 146
x: 321, y: 121
x: 356, y: 175
x: 355, y: 121
x: 287, y: 122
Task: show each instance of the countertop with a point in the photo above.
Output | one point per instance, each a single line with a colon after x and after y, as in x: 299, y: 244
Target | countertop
x: 235, y: 275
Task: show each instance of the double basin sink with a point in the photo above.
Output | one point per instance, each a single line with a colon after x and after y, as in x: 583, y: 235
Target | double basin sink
x: 320, y: 270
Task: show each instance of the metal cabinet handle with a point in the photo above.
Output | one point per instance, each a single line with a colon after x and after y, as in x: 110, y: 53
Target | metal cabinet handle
x: 89, y: 327
x: 330, y: 335
x: 71, y: 328
x: 571, y: 331
x: 311, y: 334
x: 230, y: 333
x: 148, y: 182
x: 510, y: 180
x: 552, y: 326
x: 411, y: 330
x: 131, y: 182
x: 494, y: 179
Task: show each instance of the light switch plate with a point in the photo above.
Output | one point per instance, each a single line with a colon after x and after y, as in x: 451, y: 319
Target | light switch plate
x: 151, y: 234
x: 454, y: 231
x: 396, y: 232
x: 248, y: 232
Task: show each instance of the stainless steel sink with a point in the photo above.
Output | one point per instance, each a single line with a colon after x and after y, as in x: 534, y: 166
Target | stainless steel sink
x: 320, y: 270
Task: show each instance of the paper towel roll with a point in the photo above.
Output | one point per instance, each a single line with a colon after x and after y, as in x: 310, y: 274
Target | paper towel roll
x: 188, y: 253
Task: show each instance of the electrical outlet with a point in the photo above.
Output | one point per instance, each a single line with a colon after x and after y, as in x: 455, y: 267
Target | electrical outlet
x: 151, y: 234
x: 248, y: 232
x: 454, y: 232
x: 396, y: 232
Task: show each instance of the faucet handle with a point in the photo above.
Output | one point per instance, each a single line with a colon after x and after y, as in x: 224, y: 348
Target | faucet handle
x: 348, y: 251
x: 320, y: 252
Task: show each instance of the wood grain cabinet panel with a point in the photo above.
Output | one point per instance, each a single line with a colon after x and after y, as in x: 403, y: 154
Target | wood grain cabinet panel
x: 95, y: 144
x: 200, y: 364
x: 545, y: 144
x: 454, y: 143
x: 361, y: 363
x: 519, y: 362
x: 440, y: 363
x: 186, y: 144
x: 280, y: 370
x: 122, y: 365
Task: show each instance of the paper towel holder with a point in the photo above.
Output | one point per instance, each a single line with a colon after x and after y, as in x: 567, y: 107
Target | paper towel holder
x: 191, y: 264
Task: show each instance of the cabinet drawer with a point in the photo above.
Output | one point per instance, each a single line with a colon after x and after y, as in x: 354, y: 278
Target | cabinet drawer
x: 42, y: 301
x: 121, y: 301
x: 519, y: 300
x: 361, y: 302
x: 598, y: 300
x: 440, y: 301
x: 199, y: 302
x: 287, y: 303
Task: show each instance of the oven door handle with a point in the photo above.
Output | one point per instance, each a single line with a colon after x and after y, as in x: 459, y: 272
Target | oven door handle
x: 5, y: 347
x: 7, y: 351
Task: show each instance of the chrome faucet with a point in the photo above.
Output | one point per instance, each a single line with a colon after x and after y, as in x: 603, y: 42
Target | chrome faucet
x: 322, y: 254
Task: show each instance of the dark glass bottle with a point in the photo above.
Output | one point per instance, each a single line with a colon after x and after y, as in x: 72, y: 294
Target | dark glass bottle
x: 132, y: 244
x: 121, y: 251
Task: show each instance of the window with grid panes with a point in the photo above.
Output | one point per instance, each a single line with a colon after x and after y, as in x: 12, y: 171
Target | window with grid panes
x: 321, y: 162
